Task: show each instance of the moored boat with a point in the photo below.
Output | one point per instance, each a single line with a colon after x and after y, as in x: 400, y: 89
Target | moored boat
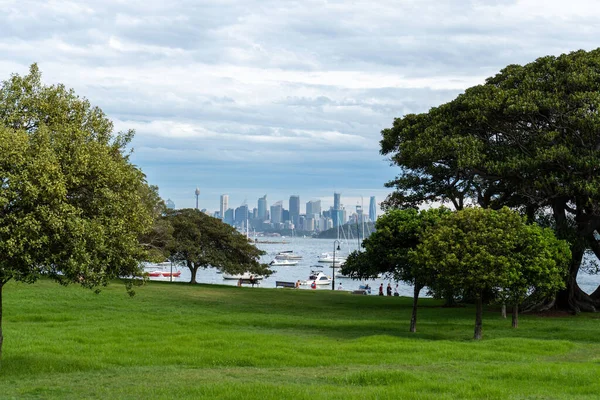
x: 318, y: 278
x: 288, y: 255
x: 283, y: 263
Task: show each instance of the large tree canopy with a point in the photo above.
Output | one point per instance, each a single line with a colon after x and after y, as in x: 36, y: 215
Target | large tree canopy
x: 201, y: 241
x: 72, y: 206
x: 527, y: 139
x: 492, y: 255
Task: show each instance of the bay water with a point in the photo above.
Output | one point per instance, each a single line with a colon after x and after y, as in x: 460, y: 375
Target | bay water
x: 310, y: 249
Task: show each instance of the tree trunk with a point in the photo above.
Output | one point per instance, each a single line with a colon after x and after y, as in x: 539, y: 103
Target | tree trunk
x: 1, y: 336
x: 504, y: 310
x: 413, y: 318
x: 478, y: 317
x: 193, y: 271
x: 515, y: 316
x: 572, y: 298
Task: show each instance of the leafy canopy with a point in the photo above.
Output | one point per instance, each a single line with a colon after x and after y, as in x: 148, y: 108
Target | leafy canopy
x: 72, y: 206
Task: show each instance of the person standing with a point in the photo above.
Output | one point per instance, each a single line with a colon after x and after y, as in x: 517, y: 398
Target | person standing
x: 381, y: 289
x: 389, y: 289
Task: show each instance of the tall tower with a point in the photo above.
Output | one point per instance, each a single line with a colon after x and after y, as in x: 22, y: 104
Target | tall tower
x: 197, y: 192
x: 224, y: 204
x: 372, y: 209
x: 262, y: 207
x: 337, y: 201
x: 294, y: 209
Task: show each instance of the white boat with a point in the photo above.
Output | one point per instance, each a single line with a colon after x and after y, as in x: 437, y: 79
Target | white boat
x: 327, y: 258
x: 283, y: 263
x: 288, y: 255
x: 245, y: 275
x: 318, y: 277
x: 163, y: 269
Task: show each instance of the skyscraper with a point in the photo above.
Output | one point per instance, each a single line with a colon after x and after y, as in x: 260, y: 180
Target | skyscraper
x: 294, y: 209
x: 337, y: 201
x: 224, y: 204
x: 313, y: 207
x: 241, y: 215
x: 170, y: 204
x: 262, y: 207
x: 276, y: 212
x: 373, y: 209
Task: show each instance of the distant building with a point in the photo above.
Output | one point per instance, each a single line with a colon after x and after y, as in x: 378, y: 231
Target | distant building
x: 224, y: 203
x: 338, y: 217
x: 373, y: 209
x: 229, y: 216
x: 276, y: 213
x: 170, y: 204
x: 313, y: 207
x: 241, y: 215
x: 262, y: 208
x: 285, y: 215
x: 337, y: 197
x: 294, y: 209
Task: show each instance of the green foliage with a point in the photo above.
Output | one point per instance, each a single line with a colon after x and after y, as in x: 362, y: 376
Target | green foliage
x: 387, y: 250
x: 201, y: 241
x: 527, y: 139
x: 72, y: 206
x: 493, y: 255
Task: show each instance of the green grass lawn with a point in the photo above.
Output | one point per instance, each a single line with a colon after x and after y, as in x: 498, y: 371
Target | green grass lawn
x: 203, y: 341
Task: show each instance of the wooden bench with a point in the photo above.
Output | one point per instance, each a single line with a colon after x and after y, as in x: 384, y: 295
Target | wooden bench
x: 359, y: 291
x: 250, y: 281
x: 285, y: 284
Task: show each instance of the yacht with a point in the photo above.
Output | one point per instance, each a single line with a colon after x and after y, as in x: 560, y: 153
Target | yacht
x: 327, y: 258
x: 318, y: 277
x: 283, y: 263
x: 288, y: 255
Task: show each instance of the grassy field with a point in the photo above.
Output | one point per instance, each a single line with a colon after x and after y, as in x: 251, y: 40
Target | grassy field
x: 181, y: 341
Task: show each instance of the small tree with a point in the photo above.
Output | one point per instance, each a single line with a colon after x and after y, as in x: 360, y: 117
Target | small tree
x: 201, y: 241
x: 489, y: 254
x: 387, y: 250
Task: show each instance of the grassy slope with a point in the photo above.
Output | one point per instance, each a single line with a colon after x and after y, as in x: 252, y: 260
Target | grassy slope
x: 181, y: 341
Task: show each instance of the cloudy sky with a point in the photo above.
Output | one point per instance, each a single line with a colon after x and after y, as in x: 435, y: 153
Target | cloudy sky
x: 277, y: 97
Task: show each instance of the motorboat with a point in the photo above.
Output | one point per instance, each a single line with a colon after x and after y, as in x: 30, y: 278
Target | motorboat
x: 318, y: 277
x: 163, y: 269
x: 283, y: 263
x: 327, y: 258
x: 245, y: 275
x: 288, y: 255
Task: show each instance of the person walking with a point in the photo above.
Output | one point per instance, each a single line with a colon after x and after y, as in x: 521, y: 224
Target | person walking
x: 389, y: 289
x: 381, y: 289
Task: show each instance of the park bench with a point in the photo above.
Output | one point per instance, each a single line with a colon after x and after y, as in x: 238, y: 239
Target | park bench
x: 250, y: 281
x: 285, y: 284
x: 359, y: 291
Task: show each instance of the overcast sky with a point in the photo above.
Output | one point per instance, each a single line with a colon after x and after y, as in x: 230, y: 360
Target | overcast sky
x: 277, y: 97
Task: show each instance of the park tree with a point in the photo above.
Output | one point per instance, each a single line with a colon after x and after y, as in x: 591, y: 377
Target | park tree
x: 527, y: 139
x: 72, y: 206
x: 201, y: 241
x: 387, y: 251
x: 493, y: 255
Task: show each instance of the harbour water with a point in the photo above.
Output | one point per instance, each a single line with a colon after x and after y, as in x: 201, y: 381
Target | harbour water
x: 310, y: 249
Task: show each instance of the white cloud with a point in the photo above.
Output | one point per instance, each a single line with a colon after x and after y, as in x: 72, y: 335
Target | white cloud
x: 269, y: 84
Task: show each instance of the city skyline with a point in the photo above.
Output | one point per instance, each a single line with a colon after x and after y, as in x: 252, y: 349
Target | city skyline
x: 348, y: 204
